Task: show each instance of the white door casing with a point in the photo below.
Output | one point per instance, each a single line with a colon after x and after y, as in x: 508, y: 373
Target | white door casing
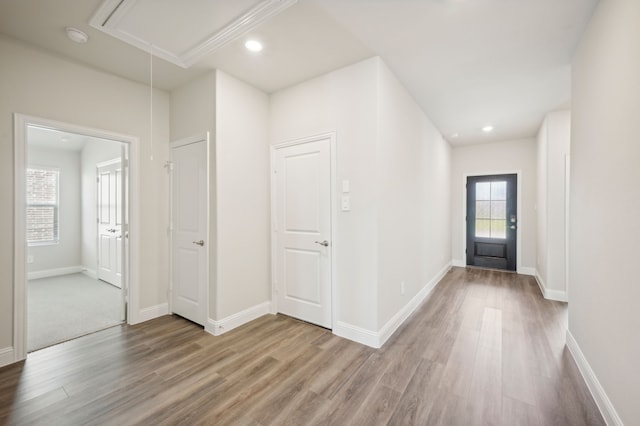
x: 302, y: 230
x: 130, y: 278
x: 110, y: 215
x: 189, y: 228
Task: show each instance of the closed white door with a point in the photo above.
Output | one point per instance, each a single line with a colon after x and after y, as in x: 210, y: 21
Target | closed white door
x: 189, y: 217
x: 110, y: 222
x: 303, y: 231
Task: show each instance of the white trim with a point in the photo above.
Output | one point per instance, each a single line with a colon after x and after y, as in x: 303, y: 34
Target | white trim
x: 218, y: 327
x: 459, y: 263
x: 332, y: 136
x: 401, y: 316
x: 520, y: 214
x: 152, y: 312
x: 203, y: 137
x: 111, y: 12
x: 89, y: 272
x: 557, y: 295
x: 525, y: 270
x: 379, y: 338
x: 7, y: 356
x: 603, y: 402
x: 21, y: 121
x: 34, y: 275
x: 357, y: 334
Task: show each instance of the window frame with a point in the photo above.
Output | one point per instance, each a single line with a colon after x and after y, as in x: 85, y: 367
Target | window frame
x: 56, y: 208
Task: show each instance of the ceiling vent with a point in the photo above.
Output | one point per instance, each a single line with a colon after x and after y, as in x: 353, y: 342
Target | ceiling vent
x: 183, y: 31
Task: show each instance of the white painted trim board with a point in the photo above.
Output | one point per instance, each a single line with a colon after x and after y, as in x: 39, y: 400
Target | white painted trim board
x: 377, y: 339
x: 557, y: 295
x: 218, y: 327
x: 153, y: 312
x: 603, y: 402
x: 47, y: 273
x: 21, y: 122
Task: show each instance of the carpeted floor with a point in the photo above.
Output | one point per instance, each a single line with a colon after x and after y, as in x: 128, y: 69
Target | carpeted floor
x: 65, y: 307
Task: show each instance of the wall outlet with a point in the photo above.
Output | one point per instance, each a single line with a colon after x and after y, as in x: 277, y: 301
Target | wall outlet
x: 29, y: 259
x: 402, y: 288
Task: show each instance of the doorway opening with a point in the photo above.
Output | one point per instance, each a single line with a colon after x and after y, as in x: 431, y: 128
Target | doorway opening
x: 61, y: 291
x: 492, y: 220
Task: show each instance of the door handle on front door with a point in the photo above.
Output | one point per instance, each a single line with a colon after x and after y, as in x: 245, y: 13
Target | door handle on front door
x: 200, y: 243
x: 323, y: 243
x: 111, y: 230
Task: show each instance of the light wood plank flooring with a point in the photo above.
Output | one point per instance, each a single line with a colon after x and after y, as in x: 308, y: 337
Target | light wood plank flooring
x: 485, y: 348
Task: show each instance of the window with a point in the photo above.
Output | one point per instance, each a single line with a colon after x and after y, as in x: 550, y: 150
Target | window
x: 491, y: 209
x: 42, y: 205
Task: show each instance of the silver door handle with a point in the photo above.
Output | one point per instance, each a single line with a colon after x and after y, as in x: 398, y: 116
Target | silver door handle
x: 322, y: 243
x: 200, y: 243
x: 111, y: 230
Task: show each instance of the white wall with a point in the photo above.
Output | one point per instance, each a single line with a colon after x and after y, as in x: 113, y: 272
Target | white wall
x: 552, y: 150
x: 42, y: 85
x: 66, y: 253
x: 398, y: 167
x: 94, y: 151
x: 604, y: 314
x: 497, y: 158
x: 345, y: 102
x: 243, y: 197
x: 414, y: 201
x: 193, y: 113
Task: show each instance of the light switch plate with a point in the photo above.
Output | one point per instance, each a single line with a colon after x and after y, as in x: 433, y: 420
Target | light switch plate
x: 346, y: 186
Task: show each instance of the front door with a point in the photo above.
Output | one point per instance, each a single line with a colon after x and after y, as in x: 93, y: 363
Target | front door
x: 189, y: 239
x: 492, y: 221
x: 303, y: 230
x: 110, y: 221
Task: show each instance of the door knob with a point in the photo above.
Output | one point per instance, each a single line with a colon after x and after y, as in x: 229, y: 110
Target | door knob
x: 322, y: 243
x: 111, y: 230
x: 200, y: 243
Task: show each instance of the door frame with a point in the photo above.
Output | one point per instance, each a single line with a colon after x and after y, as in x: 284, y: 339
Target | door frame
x: 98, y: 167
x: 333, y: 217
x: 204, y: 137
x: 519, y: 268
x: 21, y: 122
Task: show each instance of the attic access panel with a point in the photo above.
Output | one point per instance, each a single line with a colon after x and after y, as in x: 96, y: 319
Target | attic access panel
x: 183, y: 31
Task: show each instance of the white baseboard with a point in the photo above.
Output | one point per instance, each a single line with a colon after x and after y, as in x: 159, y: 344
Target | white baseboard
x: 377, y: 339
x: 459, y: 263
x: 357, y: 334
x: 152, y: 312
x: 7, y: 356
x: 54, y: 272
x: 91, y: 273
x: 527, y: 271
x: 218, y: 327
x: 399, y: 318
x: 557, y: 295
x: 603, y: 402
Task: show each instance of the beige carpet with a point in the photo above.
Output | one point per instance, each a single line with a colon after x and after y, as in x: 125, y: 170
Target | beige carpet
x: 65, y: 307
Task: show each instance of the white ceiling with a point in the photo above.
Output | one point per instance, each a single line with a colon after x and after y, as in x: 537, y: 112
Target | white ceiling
x: 55, y: 139
x: 467, y: 63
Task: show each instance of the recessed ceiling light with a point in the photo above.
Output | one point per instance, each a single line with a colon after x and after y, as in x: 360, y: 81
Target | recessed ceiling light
x: 76, y: 35
x: 487, y: 129
x: 253, y: 45
x: 454, y: 135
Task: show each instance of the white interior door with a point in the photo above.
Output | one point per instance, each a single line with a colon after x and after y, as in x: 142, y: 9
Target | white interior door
x: 110, y: 210
x: 303, y: 231
x: 189, y: 218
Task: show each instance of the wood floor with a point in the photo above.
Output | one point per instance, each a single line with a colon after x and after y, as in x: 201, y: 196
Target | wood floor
x: 485, y: 348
